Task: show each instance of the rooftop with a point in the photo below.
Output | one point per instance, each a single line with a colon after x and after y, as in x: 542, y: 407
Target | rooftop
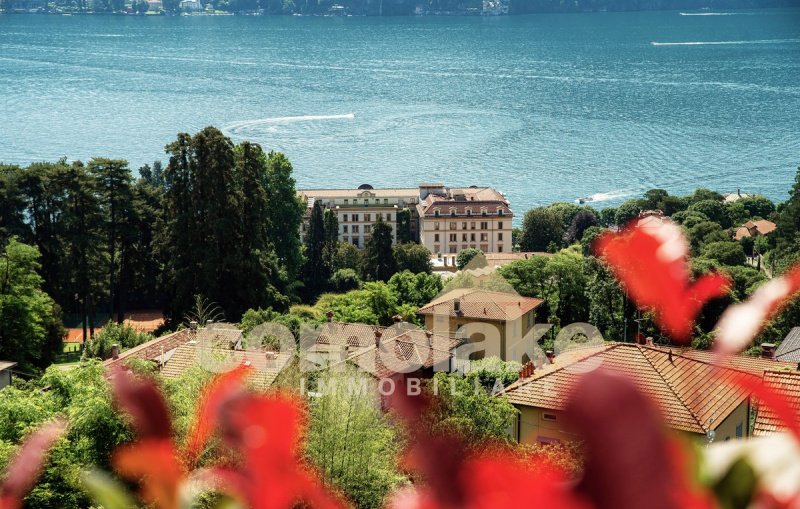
x: 789, y: 349
x: 480, y: 304
x: 787, y: 384
x: 676, y: 383
x: 265, y: 366
x: 753, y: 365
x: 152, y: 350
x: 753, y: 228
x: 4, y: 365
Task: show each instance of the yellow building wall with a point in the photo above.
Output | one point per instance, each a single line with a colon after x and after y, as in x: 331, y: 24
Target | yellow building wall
x: 727, y: 428
x: 532, y: 427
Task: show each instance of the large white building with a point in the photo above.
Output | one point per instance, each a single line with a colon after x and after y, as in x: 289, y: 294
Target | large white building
x: 445, y: 220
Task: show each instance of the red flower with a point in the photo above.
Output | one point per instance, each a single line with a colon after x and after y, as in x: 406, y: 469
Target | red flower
x: 266, y: 430
x: 652, y: 264
x: 28, y: 463
x: 741, y: 323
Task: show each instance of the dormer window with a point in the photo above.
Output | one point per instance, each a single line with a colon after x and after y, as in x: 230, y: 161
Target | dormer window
x: 483, y: 211
x: 500, y: 211
x: 469, y: 212
x: 436, y: 212
x: 453, y: 211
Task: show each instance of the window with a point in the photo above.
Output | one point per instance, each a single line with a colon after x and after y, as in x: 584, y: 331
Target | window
x: 500, y: 248
x: 484, y: 225
x: 453, y: 226
x: 739, y: 430
x: 344, y: 229
x: 549, y: 417
x: 355, y: 217
x: 472, y: 225
x: 469, y: 212
x: 453, y: 212
x: 453, y: 237
x: 344, y: 218
x: 500, y: 236
x: 464, y: 225
x: 388, y: 217
x: 345, y: 239
x: 484, y: 237
x: 367, y: 217
x: 463, y: 237
x: 346, y: 202
x: 386, y: 201
x: 436, y: 248
x: 472, y: 237
x: 484, y: 247
x: 355, y: 228
x: 367, y: 229
x: 436, y: 238
x: 436, y: 225
x: 500, y: 212
x: 355, y: 241
x: 436, y: 213
x: 500, y: 225
x: 366, y: 201
x: 452, y: 249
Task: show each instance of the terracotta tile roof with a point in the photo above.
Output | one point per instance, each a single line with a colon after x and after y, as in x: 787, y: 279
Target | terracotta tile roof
x: 753, y: 228
x: 480, y: 304
x: 499, y: 259
x: 786, y: 383
x: 189, y: 355
x: 352, y: 335
x: 152, y: 350
x: 754, y: 365
x: 678, y: 385
x: 406, y: 351
x: 789, y: 349
x: 409, y: 192
x: 220, y: 335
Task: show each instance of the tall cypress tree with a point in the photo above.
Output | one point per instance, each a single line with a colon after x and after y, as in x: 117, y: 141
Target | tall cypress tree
x: 379, y: 262
x: 315, y: 270
x: 331, y: 228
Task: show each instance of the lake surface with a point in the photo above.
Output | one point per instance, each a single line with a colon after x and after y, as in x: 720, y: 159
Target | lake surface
x: 543, y: 107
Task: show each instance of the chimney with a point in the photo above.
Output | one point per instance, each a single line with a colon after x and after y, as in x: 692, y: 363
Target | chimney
x: 329, y: 314
x: 649, y: 341
x: 429, y: 335
x: 397, y: 318
x: 669, y: 356
x: 378, y: 335
x: 768, y: 350
x: 115, y: 351
x: 550, y: 356
x: 457, y: 305
x: 527, y: 370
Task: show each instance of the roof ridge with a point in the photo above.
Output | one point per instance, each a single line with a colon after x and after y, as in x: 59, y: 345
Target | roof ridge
x: 669, y: 385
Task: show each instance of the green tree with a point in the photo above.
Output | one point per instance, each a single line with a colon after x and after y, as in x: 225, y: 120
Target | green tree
x: 472, y: 257
x: 344, y: 280
x: 580, y: 223
x: 331, y: 229
x: 404, y: 218
x: 285, y: 213
x: 412, y: 257
x: 628, y: 211
x: 315, y: 270
x: 758, y: 206
x: 347, y: 257
x: 714, y: 210
x: 706, y: 232
x: 415, y: 289
x: 30, y: 322
x: 540, y: 228
x: 725, y: 252
x: 379, y: 261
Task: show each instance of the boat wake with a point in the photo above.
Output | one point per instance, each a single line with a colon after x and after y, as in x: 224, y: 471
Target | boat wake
x: 608, y: 196
x: 724, y: 43
x: 240, y: 128
x: 716, y: 13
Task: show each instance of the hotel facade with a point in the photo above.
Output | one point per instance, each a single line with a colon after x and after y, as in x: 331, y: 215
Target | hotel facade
x: 445, y: 220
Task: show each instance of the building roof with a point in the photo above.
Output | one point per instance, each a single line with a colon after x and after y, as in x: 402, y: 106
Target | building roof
x: 404, y: 192
x: 404, y: 351
x: 266, y: 366
x: 679, y: 385
x: 789, y: 349
x: 754, y: 228
x: 4, y: 365
x: 346, y: 335
x: 753, y: 365
x: 652, y: 219
x: 462, y: 199
x: 787, y: 384
x: 152, y: 350
x: 480, y: 304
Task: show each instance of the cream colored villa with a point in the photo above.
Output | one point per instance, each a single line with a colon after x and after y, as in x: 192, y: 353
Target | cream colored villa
x: 443, y: 219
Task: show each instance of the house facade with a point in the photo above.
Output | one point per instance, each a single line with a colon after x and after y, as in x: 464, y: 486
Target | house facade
x: 443, y: 219
x: 495, y: 323
x: 5, y: 373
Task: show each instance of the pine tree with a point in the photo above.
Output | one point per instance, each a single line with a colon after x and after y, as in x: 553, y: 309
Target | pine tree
x: 113, y: 181
x: 315, y: 270
x: 379, y: 262
x: 331, y: 229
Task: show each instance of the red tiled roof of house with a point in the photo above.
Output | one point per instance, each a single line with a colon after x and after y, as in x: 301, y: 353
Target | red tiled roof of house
x: 787, y: 384
x: 152, y: 350
x: 751, y: 228
x: 683, y: 388
x: 406, y: 351
x: 480, y: 304
x: 265, y: 366
x: 753, y: 365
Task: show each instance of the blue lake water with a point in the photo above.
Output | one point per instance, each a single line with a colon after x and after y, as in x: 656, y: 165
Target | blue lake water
x: 542, y: 107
